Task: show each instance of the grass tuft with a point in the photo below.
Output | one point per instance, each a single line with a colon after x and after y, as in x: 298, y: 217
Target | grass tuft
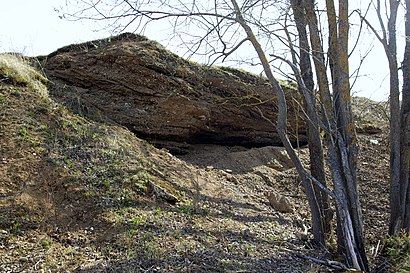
x: 14, y: 69
x: 398, y: 250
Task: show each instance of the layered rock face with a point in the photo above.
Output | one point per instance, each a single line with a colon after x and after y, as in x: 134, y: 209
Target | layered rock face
x: 165, y: 99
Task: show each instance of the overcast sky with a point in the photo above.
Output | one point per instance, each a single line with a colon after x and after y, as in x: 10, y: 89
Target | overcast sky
x: 34, y: 28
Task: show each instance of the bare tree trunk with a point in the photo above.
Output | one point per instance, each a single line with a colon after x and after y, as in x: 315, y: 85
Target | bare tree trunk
x: 319, y: 59
x: 333, y: 63
x: 347, y: 241
x: 338, y: 161
x: 282, y: 121
x: 396, y: 212
x: 315, y: 143
x: 342, y: 142
x: 347, y: 125
x: 399, y: 123
x: 405, y: 129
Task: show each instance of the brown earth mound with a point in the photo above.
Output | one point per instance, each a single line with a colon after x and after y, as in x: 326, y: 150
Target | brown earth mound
x: 167, y: 100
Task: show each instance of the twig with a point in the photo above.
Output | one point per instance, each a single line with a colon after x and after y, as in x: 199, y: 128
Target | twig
x: 37, y: 263
x: 377, y: 249
x: 332, y: 264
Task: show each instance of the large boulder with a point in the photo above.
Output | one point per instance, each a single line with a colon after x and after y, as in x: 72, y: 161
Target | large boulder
x: 165, y: 99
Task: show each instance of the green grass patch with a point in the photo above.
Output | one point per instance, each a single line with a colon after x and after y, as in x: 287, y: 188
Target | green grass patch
x: 398, y: 250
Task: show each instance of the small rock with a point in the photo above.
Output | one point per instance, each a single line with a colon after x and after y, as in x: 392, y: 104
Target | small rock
x: 279, y: 202
x: 232, y: 178
x: 374, y: 141
x: 275, y: 164
x: 161, y: 193
x: 247, y: 233
x: 209, y: 168
x: 31, y: 183
x: 23, y: 260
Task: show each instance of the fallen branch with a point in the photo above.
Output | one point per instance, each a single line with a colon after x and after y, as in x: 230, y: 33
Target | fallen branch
x: 332, y: 264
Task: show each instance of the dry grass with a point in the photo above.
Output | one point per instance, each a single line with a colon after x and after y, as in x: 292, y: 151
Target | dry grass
x: 15, y: 69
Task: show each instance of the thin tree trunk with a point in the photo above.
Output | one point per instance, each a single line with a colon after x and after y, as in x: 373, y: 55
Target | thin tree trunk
x: 342, y: 144
x: 333, y: 43
x: 346, y: 120
x: 399, y: 158
x: 282, y: 117
x: 319, y: 61
x: 315, y: 143
x: 339, y: 166
x: 347, y: 239
x: 405, y: 129
x: 396, y: 209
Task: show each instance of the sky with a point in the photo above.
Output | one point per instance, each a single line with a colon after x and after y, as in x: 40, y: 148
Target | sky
x: 34, y: 28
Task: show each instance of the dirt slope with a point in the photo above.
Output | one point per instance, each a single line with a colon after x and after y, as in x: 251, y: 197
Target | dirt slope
x: 75, y: 197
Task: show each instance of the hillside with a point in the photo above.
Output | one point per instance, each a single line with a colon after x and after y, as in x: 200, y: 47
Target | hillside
x: 81, y: 195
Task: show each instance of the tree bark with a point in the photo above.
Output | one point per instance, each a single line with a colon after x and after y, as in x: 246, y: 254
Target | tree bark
x: 405, y: 129
x: 339, y: 160
x: 342, y: 138
x: 319, y: 62
x: 282, y: 117
x: 346, y: 120
x: 399, y: 123
x: 315, y: 143
x: 396, y: 210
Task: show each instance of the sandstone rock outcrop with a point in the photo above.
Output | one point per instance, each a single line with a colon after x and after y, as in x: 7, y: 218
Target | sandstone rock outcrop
x: 165, y: 99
